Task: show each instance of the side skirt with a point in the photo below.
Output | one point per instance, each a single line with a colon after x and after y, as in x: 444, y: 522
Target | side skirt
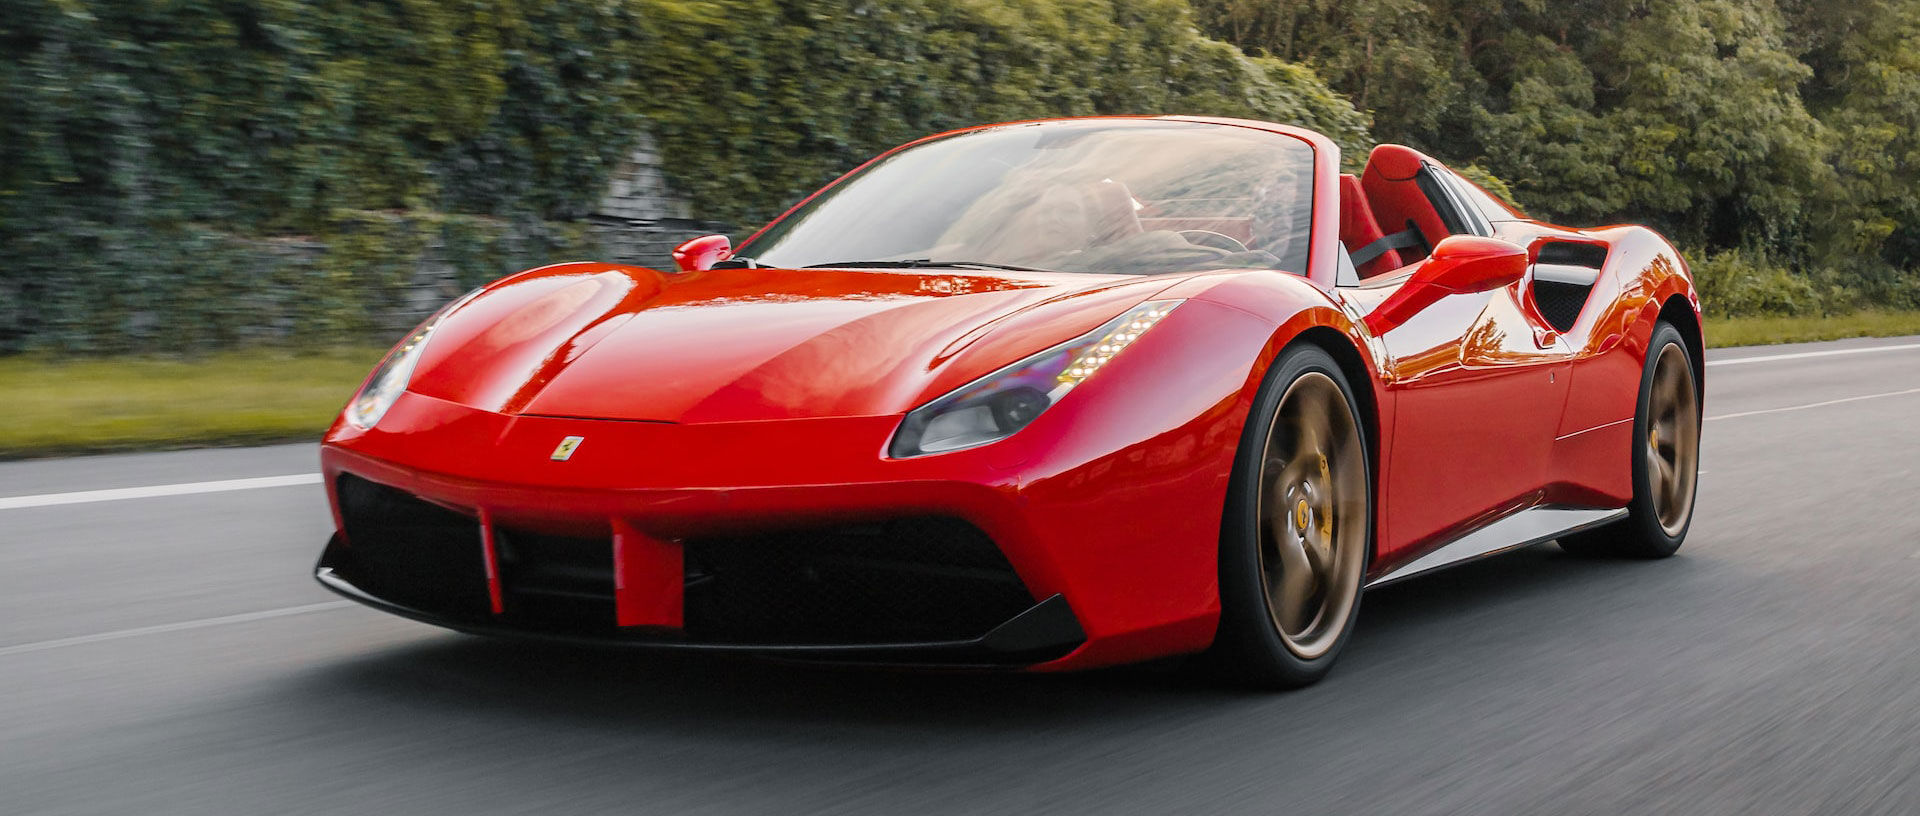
x: 1527, y: 527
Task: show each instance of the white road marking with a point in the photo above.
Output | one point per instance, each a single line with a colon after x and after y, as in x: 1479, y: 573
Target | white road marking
x: 1813, y: 404
x: 187, y: 488
x: 172, y: 627
x: 1805, y: 354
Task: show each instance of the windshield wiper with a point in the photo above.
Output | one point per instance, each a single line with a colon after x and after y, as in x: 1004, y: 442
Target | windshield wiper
x: 926, y: 263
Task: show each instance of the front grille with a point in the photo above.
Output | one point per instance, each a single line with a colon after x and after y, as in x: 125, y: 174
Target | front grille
x: 898, y: 581
x: 413, y: 553
x: 553, y: 582
x: 909, y: 580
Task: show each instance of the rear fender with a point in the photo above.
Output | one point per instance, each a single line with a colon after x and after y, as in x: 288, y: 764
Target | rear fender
x: 1593, y: 449
x: 1609, y: 341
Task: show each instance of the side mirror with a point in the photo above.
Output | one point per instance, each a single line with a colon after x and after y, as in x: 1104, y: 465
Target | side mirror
x: 702, y: 253
x: 1461, y: 264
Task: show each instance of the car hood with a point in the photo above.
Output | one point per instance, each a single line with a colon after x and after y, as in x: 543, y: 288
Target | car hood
x: 614, y: 342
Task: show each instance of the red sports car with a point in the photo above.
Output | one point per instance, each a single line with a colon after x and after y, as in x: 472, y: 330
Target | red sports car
x: 1043, y: 395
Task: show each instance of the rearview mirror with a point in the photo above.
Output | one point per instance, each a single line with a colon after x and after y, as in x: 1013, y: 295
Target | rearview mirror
x: 1460, y: 265
x: 702, y: 253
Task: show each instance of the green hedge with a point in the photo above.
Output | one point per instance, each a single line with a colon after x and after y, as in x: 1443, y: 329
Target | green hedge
x: 1747, y: 283
x: 180, y: 174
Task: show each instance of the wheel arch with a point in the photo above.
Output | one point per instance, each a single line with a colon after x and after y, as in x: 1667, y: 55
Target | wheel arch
x: 1678, y: 312
x: 1298, y: 314
x: 1236, y: 646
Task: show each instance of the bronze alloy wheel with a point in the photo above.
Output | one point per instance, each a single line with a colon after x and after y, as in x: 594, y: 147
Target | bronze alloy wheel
x: 1312, y: 515
x: 1673, y: 439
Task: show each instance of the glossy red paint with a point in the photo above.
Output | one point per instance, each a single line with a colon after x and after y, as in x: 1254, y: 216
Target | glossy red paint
x: 1154, y: 432
x: 1514, y: 413
x: 612, y: 342
x: 700, y: 254
x: 649, y: 578
x: 723, y: 401
x: 1460, y: 265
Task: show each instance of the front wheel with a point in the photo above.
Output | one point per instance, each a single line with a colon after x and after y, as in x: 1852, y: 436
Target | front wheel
x: 1666, y: 459
x: 1296, y: 536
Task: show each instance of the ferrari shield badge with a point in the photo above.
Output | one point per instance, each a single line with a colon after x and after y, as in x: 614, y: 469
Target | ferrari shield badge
x: 567, y: 447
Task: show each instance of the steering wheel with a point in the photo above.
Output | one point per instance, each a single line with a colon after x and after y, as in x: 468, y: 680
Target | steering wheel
x: 1209, y: 238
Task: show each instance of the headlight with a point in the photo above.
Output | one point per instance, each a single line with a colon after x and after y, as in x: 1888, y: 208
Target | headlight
x: 995, y: 406
x: 391, y: 378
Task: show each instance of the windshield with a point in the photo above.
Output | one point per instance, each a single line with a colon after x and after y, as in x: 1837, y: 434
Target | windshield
x: 1116, y: 196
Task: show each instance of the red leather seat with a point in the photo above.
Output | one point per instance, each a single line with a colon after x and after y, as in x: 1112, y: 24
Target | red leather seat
x: 1395, y: 196
x: 1358, y: 228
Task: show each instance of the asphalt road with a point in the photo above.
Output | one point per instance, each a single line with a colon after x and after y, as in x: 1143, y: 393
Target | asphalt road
x: 170, y: 655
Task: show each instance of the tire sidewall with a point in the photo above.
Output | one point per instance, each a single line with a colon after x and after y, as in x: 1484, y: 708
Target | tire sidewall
x: 1247, y: 641
x: 1643, y: 516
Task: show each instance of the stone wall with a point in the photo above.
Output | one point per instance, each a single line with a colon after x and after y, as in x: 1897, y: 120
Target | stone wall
x: 638, y: 190
x: 640, y: 220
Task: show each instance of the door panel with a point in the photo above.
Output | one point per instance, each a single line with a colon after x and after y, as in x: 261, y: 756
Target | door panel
x: 1478, y: 401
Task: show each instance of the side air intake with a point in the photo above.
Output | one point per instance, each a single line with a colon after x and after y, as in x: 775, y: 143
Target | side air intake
x: 1563, y: 277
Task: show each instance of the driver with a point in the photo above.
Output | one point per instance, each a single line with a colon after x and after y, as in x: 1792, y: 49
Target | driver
x: 1040, y: 220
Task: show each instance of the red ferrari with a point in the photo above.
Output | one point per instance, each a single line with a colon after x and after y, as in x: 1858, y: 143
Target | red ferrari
x: 1042, y: 395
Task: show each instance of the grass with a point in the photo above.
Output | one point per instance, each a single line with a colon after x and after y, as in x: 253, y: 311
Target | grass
x: 1759, y: 331
x: 87, y: 405
x: 55, y: 407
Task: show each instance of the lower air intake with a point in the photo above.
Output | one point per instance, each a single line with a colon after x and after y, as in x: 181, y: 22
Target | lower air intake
x: 414, y: 553
x: 898, y: 581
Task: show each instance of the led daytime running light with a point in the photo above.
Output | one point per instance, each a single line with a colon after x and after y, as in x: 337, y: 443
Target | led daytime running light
x: 1118, y: 338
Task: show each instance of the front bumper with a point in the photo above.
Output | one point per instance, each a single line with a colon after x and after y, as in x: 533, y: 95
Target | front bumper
x: 892, y: 589
x: 1045, y: 631
x: 1107, y: 546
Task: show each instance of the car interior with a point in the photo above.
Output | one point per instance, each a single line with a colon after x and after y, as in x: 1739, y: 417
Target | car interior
x: 1394, y: 212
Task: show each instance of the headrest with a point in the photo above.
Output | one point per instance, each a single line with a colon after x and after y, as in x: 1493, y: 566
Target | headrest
x: 1394, y: 162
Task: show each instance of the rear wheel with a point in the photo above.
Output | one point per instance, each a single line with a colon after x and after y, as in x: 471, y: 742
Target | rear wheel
x: 1299, y: 521
x: 1666, y: 459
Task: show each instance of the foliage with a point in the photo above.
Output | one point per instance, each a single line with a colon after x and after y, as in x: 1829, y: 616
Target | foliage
x: 1746, y: 283
x: 204, y: 172
x: 763, y: 100
x: 1865, y: 58
x: 1784, y: 132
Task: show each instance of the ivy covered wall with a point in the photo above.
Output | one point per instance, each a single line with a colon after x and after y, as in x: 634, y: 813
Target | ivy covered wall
x: 182, y: 174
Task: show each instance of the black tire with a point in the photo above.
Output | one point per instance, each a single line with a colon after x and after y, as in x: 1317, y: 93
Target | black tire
x: 1250, y: 648
x: 1643, y: 533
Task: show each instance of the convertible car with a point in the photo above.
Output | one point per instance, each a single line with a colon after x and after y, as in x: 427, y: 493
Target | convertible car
x: 1041, y: 395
